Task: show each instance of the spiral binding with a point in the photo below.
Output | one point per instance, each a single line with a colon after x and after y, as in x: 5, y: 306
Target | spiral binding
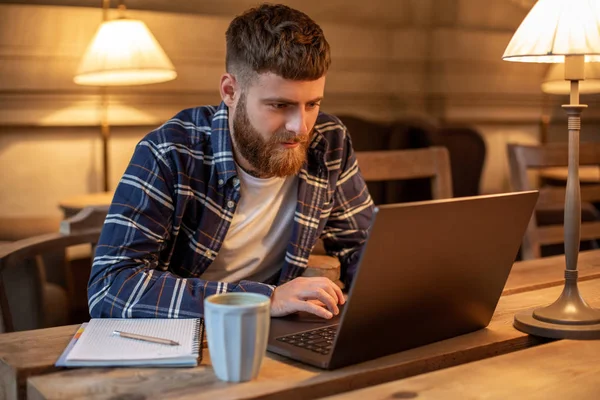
x: 198, y: 336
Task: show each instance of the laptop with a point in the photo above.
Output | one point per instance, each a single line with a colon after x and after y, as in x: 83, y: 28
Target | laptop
x: 430, y: 271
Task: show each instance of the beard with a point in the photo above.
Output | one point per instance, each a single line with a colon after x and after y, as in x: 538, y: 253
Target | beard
x: 268, y: 158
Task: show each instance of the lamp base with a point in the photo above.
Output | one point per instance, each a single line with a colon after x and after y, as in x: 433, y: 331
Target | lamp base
x: 526, y: 322
x: 569, y: 317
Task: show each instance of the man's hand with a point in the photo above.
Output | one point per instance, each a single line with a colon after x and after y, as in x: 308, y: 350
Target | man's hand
x: 296, y: 294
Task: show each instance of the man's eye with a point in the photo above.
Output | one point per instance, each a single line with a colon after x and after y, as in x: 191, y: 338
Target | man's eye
x: 313, y: 105
x: 279, y: 106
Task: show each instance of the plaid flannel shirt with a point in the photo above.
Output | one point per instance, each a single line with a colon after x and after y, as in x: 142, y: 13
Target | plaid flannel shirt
x: 175, y: 202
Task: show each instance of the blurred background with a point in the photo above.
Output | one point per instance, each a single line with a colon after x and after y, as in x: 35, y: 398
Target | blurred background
x: 405, y: 74
x: 435, y: 63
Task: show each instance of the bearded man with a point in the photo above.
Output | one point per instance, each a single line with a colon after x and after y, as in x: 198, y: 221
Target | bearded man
x: 233, y: 197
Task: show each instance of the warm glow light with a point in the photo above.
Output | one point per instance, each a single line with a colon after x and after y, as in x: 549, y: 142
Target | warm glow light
x: 555, y: 83
x: 124, y: 52
x: 555, y: 28
x: 85, y: 113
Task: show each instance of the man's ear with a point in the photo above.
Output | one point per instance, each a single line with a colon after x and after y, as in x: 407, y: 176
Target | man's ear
x: 229, y: 89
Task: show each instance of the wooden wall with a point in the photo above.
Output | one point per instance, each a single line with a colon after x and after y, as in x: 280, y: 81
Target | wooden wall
x: 440, y: 59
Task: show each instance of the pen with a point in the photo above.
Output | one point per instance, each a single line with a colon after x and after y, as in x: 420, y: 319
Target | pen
x: 146, y: 338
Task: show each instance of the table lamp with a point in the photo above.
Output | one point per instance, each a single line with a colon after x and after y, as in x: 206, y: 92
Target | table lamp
x: 563, y: 31
x: 555, y: 83
x: 123, y: 52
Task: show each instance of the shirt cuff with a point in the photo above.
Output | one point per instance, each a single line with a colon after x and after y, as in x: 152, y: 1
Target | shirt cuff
x: 255, y: 287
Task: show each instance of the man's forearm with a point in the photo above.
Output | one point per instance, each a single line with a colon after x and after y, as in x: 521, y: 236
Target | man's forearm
x: 138, y: 292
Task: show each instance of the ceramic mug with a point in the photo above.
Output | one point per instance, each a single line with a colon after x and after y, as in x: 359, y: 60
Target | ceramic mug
x: 237, y: 330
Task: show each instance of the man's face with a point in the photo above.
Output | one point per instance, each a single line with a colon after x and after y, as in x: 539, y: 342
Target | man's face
x: 273, y: 122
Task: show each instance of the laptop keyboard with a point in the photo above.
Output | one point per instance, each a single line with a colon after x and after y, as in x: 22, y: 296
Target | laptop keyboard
x: 318, y: 340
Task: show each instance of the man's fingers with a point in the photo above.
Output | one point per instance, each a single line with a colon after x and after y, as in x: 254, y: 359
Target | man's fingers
x: 329, y: 287
x: 329, y: 290
x: 322, y: 295
x: 317, y: 302
x: 338, y: 291
x: 333, y: 289
x: 314, y: 309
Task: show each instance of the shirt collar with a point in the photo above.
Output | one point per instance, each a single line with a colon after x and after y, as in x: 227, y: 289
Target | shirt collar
x: 221, y: 145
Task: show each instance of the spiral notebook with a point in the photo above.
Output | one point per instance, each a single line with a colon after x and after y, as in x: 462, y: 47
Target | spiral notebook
x: 95, y: 345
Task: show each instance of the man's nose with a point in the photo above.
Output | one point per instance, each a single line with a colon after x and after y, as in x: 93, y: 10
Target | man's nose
x: 298, y: 123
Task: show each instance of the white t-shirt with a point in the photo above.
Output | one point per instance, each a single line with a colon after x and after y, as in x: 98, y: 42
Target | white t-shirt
x: 255, y: 245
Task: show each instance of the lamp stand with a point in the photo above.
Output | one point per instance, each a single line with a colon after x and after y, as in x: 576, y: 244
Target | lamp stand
x: 569, y: 317
x: 105, y: 133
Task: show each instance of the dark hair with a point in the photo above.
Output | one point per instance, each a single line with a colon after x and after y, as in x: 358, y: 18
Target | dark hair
x: 277, y: 39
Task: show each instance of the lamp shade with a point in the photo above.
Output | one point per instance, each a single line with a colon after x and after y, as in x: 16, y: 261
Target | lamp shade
x: 555, y: 28
x: 555, y: 83
x: 124, y: 52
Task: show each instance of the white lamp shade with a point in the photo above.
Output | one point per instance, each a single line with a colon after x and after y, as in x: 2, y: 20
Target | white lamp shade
x: 124, y: 52
x: 555, y: 28
x: 555, y: 83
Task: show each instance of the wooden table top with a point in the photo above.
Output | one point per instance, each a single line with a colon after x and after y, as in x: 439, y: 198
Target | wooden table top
x: 564, y: 369
x: 33, y: 353
x: 74, y: 204
x: 283, y: 378
x: 29, y: 353
x: 550, y: 271
x: 587, y: 173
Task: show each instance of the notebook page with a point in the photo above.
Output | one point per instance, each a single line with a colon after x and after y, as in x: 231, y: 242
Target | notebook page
x: 97, y: 342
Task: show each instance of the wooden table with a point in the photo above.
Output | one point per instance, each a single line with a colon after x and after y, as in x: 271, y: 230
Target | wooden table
x: 72, y: 205
x: 282, y: 378
x: 32, y: 354
x: 29, y: 353
x: 550, y: 271
x: 587, y: 174
x: 561, y: 370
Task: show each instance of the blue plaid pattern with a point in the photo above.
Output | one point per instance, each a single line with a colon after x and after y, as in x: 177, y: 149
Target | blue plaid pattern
x: 174, y: 205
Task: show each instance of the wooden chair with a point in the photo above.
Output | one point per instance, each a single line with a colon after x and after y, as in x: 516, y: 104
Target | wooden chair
x: 83, y: 228
x: 429, y: 162
x: 392, y: 165
x: 467, y: 151
x: 523, y: 158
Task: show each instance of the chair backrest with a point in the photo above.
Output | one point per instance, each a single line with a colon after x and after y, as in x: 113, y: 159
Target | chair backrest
x: 430, y: 162
x: 369, y: 135
x: 82, y: 228
x: 523, y: 158
x: 467, y: 156
x: 400, y: 134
